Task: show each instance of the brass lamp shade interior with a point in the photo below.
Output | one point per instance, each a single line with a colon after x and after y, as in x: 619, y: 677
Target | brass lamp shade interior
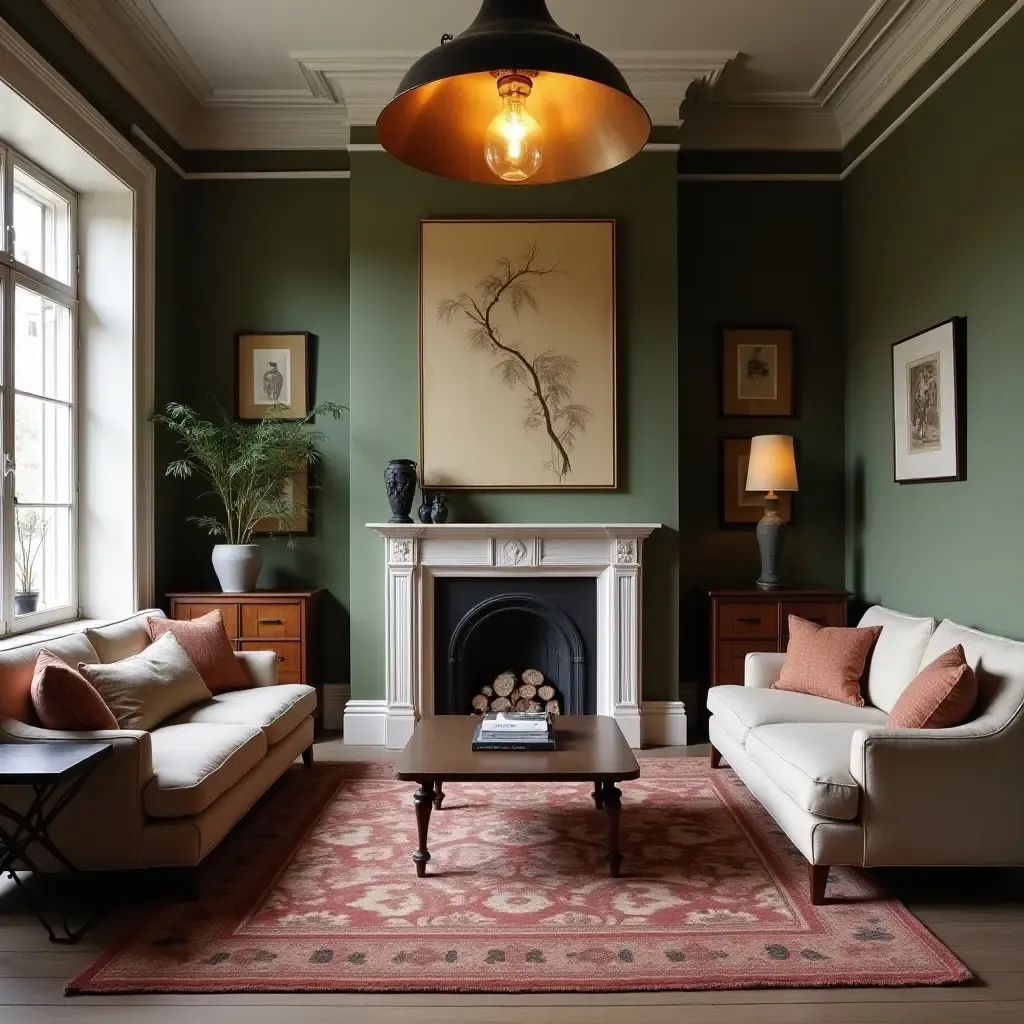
x: 589, y: 119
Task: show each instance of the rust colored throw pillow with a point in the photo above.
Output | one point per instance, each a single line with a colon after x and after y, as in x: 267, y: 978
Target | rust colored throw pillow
x: 64, y: 699
x: 943, y: 694
x: 826, y: 661
x: 205, y: 641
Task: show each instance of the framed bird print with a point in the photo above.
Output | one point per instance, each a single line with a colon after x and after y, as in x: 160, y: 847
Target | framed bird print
x: 272, y: 375
x: 757, y: 371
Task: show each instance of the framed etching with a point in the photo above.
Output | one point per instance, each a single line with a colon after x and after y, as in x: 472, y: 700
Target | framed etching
x: 740, y: 506
x: 296, y: 493
x: 272, y: 375
x: 928, y: 396
x: 757, y: 371
x: 517, y: 354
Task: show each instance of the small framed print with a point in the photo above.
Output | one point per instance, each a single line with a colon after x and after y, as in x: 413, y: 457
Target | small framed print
x: 296, y: 491
x: 928, y: 404
x: 272, y: 375
x: 740, y: 506
x: 757, y: 371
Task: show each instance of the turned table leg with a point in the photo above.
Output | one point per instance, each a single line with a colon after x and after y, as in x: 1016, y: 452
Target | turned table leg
x: 424, y: 800
x: 438, y: 794
x: 611, y: 797
x: 597, y: 795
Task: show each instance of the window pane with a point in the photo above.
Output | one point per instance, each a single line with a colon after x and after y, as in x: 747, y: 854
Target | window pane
x: 42, y: 559
x: 42, y: 345
x: 42, y: 451
x: 42, y: 222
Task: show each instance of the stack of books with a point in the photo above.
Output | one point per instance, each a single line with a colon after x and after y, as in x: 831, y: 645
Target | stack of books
x: 514, y: 731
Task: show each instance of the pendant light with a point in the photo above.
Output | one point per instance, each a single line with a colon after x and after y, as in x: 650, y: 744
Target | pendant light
x: 513, y: 99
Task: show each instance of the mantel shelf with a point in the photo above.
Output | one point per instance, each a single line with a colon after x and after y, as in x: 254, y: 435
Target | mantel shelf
x: 511, y: 530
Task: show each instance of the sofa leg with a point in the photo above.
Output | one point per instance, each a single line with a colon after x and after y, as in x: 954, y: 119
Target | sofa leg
x: 817, y: 876
x: 716, y: 758
x: 307, y: 756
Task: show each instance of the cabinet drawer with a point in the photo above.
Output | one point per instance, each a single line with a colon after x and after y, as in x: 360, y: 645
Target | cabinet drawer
x: 289, y: 657
x: 730, y: 658
x: 821, y: 613
x: 754, y: 618
x: 196, y: 609
x: 272, y: 620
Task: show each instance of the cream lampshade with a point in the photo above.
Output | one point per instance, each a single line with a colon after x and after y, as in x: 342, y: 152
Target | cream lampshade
x: 772, y: 468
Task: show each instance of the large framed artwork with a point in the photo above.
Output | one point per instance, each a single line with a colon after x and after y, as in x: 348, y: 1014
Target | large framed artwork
x: 739, y: 506
x: 272, y: 375
x: 517, y: 354
x: 757, y: 371
x: 928, y: 404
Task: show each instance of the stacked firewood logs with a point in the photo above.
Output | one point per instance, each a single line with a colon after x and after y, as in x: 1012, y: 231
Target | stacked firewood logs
x: 509, y: 692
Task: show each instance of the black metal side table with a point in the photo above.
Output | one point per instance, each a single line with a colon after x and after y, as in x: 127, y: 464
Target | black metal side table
x: 55, y: 771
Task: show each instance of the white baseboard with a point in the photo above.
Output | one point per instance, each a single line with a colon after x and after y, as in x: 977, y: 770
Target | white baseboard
x: 664, y: 723
x: 365, y: 723
x: 335, y: 697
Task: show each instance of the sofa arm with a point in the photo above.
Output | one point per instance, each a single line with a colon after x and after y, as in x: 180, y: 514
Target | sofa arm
x: 940, y: 796
x: 761, y: 670
x: 261, y: 666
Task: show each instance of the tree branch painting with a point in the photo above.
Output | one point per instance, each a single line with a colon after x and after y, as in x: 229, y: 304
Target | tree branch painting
x: 546, y: 379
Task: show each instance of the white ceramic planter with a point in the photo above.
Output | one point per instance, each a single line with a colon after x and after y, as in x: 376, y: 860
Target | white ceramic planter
x: 237, y: 566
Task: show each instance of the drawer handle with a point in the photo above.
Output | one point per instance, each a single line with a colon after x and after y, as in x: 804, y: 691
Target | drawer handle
x: 270, y: 622
x: 281, y: 657
x: 757, y: 620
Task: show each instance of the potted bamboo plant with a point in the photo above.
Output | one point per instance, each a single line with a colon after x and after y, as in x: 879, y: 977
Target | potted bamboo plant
x: 248, y: 466
x: 30, y: 532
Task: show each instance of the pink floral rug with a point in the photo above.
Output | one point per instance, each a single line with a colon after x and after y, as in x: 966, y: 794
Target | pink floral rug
x: 316, y: 892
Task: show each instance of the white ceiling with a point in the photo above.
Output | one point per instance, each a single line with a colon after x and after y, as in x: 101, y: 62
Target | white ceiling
x: 244, y: 45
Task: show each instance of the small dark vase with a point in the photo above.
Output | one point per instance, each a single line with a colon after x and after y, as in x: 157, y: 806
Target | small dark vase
x: 425, y: 509
x: 439, y: 510
x: 400, y: 483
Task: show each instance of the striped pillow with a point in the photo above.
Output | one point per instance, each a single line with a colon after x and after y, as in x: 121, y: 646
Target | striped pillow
x: 205, y: 641
x: 826, y: 661
x: 943, y: 694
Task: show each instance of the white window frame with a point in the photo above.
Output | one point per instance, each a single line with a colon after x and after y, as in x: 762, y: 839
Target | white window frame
x: 14, y: 273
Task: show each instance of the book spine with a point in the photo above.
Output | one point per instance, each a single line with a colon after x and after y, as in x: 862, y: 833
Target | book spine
x: 485, y: 746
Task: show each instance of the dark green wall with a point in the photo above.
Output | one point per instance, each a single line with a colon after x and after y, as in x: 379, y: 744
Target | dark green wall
x: 388, y: 202
x: 934, y: 223
x: 269, y: 255
x: 757, y: 254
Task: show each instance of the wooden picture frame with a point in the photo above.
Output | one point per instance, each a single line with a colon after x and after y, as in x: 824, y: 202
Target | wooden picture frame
x: 741, y: 507
x: 481, y: 424
x: 929, y: 404
x: 273, y: 368
x: 757, y: 371
x: 302, y: 527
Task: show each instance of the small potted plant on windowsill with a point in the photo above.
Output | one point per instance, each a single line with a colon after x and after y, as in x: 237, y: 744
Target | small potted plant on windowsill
x: 248, y: 466
x: 30, y: 534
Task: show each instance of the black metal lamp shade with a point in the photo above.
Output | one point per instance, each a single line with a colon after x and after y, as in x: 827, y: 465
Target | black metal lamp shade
x: 589, y: 120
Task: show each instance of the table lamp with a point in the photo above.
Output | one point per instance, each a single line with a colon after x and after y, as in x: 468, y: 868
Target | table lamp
x: 772, y: 467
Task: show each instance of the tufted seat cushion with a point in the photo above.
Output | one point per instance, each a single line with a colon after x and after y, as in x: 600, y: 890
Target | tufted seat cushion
x: 274, y: 709
x: 194, y: 764
x: 811, y: 764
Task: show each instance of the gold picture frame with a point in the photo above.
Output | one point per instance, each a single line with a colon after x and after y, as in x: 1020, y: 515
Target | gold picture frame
x: 757, y: 371
x: 272, y: 369
x: 741, y: 507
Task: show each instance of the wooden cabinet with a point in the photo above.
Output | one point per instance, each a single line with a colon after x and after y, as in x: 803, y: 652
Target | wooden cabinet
x: 747, y: 621
x: 284, y: 622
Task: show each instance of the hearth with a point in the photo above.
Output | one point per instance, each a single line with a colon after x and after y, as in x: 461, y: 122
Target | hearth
x: 486, y: 626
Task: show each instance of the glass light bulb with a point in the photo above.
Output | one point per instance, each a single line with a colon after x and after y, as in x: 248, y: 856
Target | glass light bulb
x: 512, y: 145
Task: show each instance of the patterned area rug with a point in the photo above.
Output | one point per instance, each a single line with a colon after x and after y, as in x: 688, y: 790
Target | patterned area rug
x: 316, y: 891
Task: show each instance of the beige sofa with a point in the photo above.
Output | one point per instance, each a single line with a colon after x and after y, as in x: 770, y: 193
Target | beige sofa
x: 848, y: 790
x: 166, y: 798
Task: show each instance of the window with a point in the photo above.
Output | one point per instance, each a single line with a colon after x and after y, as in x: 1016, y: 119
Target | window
x: 38, y: 360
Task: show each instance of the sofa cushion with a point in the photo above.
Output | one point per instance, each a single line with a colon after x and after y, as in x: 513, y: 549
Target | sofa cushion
x: 194, y: 764
x: 65, y: 700
x: 897, y: 656
x: 742, y: 708
x: 17, y: 666
x: 942, y: 695
x: 205, y: 641
x: 277, y: 710
x: 145, y: 690
x: 124, y: 638
x: 811, y: 764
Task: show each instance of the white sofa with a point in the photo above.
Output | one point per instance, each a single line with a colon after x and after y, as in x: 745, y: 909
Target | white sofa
x: 848, y: 790
x: 165, y: 798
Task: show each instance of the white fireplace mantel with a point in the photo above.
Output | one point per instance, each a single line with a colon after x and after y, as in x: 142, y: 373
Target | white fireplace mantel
x: 415, y: 555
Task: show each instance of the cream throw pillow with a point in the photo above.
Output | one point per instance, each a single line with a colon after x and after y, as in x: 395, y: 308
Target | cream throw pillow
x: 148, y: 688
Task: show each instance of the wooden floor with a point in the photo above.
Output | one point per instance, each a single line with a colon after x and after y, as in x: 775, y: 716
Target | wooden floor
x: 978, y: 914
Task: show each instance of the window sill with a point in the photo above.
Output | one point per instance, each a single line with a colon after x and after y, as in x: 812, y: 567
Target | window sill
x: 48, y: 632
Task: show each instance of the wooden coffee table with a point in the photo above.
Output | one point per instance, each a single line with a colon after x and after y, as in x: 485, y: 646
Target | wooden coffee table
x: 591, y: 748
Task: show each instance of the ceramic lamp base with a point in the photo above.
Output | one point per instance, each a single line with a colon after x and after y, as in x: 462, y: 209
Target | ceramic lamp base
x: 771, y: 536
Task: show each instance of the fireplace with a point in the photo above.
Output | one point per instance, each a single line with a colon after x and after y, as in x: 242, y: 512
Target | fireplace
x: 486, y: 626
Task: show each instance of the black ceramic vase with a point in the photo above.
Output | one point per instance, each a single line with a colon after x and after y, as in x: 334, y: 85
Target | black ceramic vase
x: 439, y: 510
x: 425, y: 508
x: 400, y: 483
